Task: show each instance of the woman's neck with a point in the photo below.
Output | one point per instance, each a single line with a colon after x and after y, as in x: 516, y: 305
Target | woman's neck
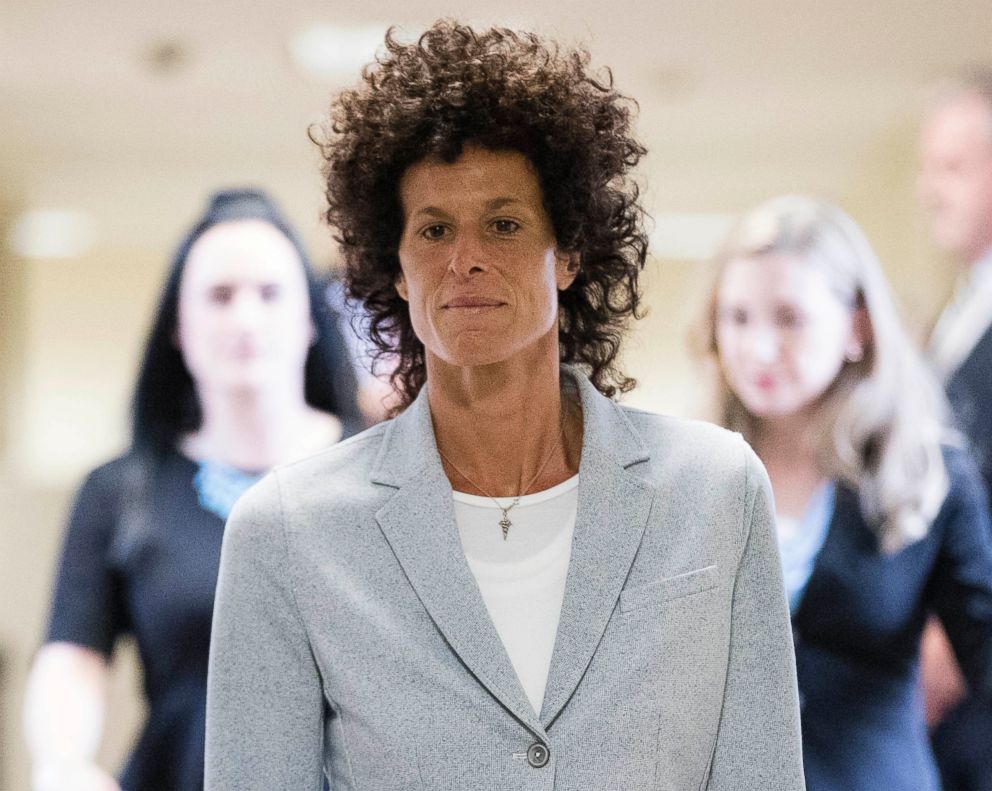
x: 785, y: 448
x: 255, y: 430
x: 506, y: 429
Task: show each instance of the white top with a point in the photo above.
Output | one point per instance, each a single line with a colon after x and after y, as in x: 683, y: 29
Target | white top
x: 965, y: 319
x: 522, y: 579
x: 800, y: 540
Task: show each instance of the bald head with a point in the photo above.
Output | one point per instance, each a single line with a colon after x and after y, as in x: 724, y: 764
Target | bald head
x: 955, y: 183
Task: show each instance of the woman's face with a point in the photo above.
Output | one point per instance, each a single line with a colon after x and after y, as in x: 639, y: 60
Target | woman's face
x: 782, y: 333
x: 480, y: 268
x: 244, y: 312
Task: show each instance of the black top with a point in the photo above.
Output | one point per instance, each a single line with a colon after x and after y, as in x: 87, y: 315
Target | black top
x: 141, y: 557
x: 857, y: 632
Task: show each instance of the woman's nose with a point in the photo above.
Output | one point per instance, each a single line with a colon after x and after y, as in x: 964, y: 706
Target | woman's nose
x: 763, y: 344
x: 467, y: 255
x: 246, y: 308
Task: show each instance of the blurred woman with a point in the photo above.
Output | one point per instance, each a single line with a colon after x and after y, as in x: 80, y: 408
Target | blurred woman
x: 879, y: 521
x: 243, y: 369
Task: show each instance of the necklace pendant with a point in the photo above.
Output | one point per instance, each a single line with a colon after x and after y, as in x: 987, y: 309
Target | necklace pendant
x: 505, y: 523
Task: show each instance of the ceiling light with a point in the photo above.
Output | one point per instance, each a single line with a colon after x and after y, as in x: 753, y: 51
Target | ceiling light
x: 326, y: 52
x: 52, y: 233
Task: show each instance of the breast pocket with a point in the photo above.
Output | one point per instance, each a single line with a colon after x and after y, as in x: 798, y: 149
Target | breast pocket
x: 669, y: 589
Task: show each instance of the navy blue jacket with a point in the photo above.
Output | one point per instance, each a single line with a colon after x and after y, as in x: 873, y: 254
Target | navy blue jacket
x: 857, y: 632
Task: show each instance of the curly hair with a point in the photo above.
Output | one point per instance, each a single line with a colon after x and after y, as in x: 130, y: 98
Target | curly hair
x: 503, y: 90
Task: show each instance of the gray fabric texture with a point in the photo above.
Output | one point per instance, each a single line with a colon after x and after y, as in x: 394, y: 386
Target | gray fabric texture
x: 350, y: 637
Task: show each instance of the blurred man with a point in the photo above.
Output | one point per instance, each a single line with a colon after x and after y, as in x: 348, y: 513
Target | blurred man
x: 956, y: 189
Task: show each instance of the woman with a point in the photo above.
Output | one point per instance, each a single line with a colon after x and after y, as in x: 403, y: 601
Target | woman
x: 242, y: 370
x: 516, y: 582
x: 878, y: 522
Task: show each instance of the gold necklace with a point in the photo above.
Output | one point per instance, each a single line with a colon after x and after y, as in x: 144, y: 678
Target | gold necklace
x: 505, y: 524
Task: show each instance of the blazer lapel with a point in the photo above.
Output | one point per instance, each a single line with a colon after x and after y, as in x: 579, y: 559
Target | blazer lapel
x: 614, y: 503
x: 419, y: 524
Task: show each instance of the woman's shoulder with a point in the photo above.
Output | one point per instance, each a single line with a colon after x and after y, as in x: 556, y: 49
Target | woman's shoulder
x: 303, y: 493
x: 958, y: 461
x: 109, y: 468
x: 133, y: 467
x: 107, y: 476
x: 333, y: 474
x: 339, y: 456
x: 100, y: 497
x: 693, y: 437
x: 698, y: 450
x: 965, y: 485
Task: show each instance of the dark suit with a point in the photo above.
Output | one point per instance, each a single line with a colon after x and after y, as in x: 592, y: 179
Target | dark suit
x: 857, y: 632
x: 969, y: 390
x: 963, y: 741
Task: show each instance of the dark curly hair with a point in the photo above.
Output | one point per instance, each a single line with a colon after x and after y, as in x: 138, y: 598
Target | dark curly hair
x: 503, y: 90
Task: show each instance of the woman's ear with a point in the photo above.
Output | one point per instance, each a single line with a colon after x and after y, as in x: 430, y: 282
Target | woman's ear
x: 400, y: 285
x: 861, y: 335
x: 566, y: 269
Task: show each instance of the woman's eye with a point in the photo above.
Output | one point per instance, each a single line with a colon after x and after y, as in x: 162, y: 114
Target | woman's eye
x: 221, y: 294
x: 505, y: 226
x: 734, y: 316
x: 788, y: 319
x: 434, y: 232
x: 269, y: 292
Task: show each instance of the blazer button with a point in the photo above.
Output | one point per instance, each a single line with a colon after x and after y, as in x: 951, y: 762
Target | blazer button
x: 538, y: 755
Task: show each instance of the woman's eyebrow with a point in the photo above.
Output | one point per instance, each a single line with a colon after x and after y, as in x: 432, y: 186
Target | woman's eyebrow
x: 494, y: 204
x: 432, y: 211
x: 498, y: 203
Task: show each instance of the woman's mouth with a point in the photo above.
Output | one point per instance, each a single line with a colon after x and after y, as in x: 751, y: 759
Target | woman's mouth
x: 472, y: 303
x: 764, y: 382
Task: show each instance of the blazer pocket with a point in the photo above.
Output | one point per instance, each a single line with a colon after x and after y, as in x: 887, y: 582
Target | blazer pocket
x: 669, y: 588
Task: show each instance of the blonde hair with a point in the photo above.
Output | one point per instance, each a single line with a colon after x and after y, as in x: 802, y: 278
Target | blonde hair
x: 880, y: 424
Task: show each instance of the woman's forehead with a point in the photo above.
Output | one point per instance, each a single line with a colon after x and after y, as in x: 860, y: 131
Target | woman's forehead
x: 775, y: 277
x: 478, y: 175
x: 242, y: 246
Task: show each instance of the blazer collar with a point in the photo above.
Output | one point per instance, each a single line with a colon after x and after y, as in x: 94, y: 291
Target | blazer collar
x: 408, y: 446
x: 419, y: 524
x: 615, y: 498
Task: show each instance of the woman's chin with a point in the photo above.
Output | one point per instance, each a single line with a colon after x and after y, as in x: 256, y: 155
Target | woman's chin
x: 245, y: 382
x: 770, y: 408
x: 476, y: 353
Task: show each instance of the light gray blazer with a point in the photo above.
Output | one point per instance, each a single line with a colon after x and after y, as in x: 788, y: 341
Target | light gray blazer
x: 349, y: 634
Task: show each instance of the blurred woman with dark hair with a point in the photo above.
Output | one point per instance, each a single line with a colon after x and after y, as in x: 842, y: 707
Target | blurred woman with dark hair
x: 881, y: 520
x: 244, y: 368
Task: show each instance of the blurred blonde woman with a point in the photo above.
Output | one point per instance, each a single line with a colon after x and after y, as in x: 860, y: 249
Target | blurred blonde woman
x: 880, y: 521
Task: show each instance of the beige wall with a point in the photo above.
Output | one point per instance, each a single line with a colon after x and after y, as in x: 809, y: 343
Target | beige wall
x: 70, y: 333
x: 825, y: 103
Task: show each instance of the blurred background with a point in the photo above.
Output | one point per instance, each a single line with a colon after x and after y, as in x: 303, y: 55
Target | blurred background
x: 117, y: 119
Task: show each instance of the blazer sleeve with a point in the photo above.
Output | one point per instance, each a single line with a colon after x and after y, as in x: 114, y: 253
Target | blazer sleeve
x: 758, y: 744
x: 961, y: 584
x: 264, y: 692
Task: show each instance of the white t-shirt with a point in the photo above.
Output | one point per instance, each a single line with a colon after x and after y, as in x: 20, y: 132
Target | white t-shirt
x: 522, y: 579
